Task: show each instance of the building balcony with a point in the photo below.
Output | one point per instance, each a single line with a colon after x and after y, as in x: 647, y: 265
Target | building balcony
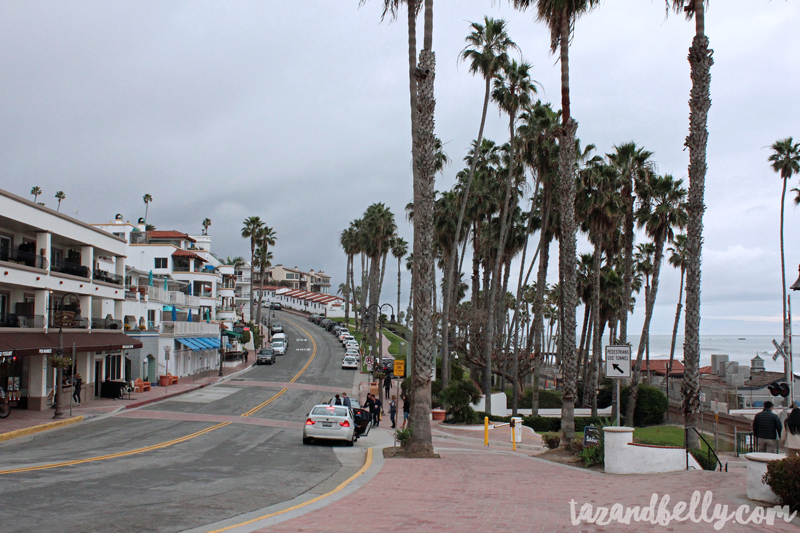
x: 72, y: 269
x: 225, y: 309
x: 29, y: 259
x: 180, y: 268
x: 22, y: 321
x: 189, y: 328
x: 106, y: 323
x: 107, y: 277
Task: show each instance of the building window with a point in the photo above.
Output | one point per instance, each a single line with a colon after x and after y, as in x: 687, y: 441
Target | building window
x: 5, y: 247
x: 162, y: 262
x: 113, y: 367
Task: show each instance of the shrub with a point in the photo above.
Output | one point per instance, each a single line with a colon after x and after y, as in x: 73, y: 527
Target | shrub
x: 540, y: 423
x: 783, y: 477
x: 651, y: 405
x: 459, y: 397
x: 550, y: 399
x: 593, y: 455
x: 705, y: 458
x: 403, y: 435
x: 551, y: 439
x: 575, y: 445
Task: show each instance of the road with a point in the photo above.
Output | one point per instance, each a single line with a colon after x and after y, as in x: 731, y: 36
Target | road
x: 196, y: 459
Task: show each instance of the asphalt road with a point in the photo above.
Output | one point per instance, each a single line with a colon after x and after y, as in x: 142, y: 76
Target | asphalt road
x: 188, y: 461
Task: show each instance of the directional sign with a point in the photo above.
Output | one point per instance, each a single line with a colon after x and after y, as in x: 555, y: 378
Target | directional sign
x: 618, y: 361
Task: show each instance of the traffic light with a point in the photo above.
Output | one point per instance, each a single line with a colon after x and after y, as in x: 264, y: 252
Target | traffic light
x: 778, y: 389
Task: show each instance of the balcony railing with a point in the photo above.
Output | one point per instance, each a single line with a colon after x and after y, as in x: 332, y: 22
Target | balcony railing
x: 189, y: 328
x: 22, y: 321
x: 106, y: 323
x: 225, y: 309
x: 106, y: 276
x: 73, y: 269
x: 180, y: 268
x: 23, y: 258
x: 158, y: 294
x: 192, y: 301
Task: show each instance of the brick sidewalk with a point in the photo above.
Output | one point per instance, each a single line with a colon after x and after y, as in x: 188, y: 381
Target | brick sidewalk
x: 21, y: 419
x: 475, y: 490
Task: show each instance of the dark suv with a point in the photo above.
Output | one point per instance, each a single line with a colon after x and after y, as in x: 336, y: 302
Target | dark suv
x: 275, y: 305
x: 265, y: 356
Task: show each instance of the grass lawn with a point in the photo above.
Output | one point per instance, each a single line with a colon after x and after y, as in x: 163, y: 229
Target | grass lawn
x: 394, y: 347
x: 672, y: 436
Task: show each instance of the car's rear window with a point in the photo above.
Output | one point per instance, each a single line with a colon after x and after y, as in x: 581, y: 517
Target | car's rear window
x: 329, y: 411
x: 265, y: 352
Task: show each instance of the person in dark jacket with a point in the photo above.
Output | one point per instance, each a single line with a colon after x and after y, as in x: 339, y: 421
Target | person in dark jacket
x: 767, y: 429
x: 76, y: 389
x: 387, y: 384
x: 406, y: 409
x: 376, y: 414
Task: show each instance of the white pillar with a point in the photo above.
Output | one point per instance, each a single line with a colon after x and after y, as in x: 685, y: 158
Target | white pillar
x: 87, y: 258
x: 616, y: 440
x: 118, y: 310
x: 44, y: 240
x: 37, y: 383
x: 40, y: 305
x: 86, y: 308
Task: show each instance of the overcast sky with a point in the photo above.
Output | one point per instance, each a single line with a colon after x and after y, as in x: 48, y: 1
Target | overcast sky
x: 298, y: 112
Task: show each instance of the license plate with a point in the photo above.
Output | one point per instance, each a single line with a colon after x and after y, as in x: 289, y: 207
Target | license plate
x: 326, y: 424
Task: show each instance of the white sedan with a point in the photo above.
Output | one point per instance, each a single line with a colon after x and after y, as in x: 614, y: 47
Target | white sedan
x: 349, y: 361
x: 334, y: 422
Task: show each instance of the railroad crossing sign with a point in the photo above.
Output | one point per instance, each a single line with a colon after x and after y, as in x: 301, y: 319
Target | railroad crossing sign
x: 618, y: 361
x: 399, y: 368
x: 779, y: 350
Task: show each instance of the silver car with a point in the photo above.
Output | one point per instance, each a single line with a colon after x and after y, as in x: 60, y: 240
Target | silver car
x: 334, y: 422
x: 278, y: 347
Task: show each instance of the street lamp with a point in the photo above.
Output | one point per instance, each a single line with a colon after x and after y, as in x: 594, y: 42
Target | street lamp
x: 379, y: 309
x: 64, y: 317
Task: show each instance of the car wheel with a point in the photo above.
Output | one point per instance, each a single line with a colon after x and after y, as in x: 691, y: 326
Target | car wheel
x: 306, y: 440
x: 352, y: 442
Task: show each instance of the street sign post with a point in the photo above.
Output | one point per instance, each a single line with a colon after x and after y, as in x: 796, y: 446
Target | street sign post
x: 618, y: 366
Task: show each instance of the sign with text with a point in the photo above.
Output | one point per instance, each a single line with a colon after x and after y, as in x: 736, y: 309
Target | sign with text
x: 618, y: 361
x: 399, y: 368
x: 591, y: 436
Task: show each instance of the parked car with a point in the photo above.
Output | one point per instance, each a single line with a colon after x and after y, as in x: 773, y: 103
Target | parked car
x: 265, y: 356
x: 275, y: 305
x: 362, y: 416
x: 352, y: 345
x: 339, y: 329
x: 331, y: 325
x: 346, y: 337
x: 350, y: 361
x: 312, y: 317
x: 324, y: 323
x: 277, y: 327
x: 279, y: 347
x: 332, y: 422
x: 352, y: 351
x: 281, y: 337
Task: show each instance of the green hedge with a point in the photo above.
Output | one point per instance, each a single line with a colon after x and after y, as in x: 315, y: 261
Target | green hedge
x: 651, y: 405
x: 541, y: 424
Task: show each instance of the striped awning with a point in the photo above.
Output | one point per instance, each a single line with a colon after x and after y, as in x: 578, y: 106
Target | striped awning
x: 199, y: 343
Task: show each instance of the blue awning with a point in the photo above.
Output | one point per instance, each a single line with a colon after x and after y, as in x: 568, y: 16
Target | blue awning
x: 200, y: 343
x: 190, y: 343
x: 208, y: 342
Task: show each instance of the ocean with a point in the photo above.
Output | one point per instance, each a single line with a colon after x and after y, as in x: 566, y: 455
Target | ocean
x: 739, y: 348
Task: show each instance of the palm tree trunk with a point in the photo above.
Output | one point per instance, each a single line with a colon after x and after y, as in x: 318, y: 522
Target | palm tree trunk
x: 412, y: 90
x: 252, y: 273
x: 697, y: 141
x: 398, y: 288
x: 787, y: 341
x: 421, y: 444
x: 347, y: 289
x: 675, y: 329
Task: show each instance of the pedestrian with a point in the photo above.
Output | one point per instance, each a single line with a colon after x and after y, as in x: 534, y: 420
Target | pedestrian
x: 376, y: 416
x: 76, y: 389
x: 767, y: 429
x: 792, y: 435
x: 393, y: 411
x: 337, y: 400
x: 369, y: 403
x: 346, y: 400
x: 406, y: 409
x: 387, y: 384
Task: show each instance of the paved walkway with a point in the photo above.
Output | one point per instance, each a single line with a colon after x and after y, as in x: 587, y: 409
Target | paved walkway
x: 28, y: 420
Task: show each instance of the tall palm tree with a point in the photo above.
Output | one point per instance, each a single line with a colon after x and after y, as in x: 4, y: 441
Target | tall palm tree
x: 35, y: 192
x: 348, y: 240
x: 380, y: 227
x: 677, y: 259
x: 399, y: 251
x: 250, y: 230
x: 662, y: 208
x: 700, y: 62
x: 147, y: 199
x: 785, y: 160
x: 60, y: 196
x: 206, y: 224
x: 262, y: 259
x: 266, y: 238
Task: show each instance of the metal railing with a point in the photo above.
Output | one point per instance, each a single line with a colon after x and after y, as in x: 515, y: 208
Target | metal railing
x: 73, y: 269
x: 106, y: 276
x: 10, y: 320
x: 708, y: 446
x: 189, y: 328
x: 23, y: 258
x: 181, y: 268
x: 106, y: 323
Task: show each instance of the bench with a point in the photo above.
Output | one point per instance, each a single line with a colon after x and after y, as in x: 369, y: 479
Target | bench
x: 141, y: 386
x: 173, y: 380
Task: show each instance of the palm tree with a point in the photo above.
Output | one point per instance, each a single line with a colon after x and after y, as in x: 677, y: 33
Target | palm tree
x: 677, y: 259
x: 380, y: 227
x: 700, y: 62
x: 560, y: 17
x: 348, y: 239
x: 206, y: 224
x: 60, y: 196
x: 399, y: 250
x: 147, y: 199
x: 36, y: 191
x: 266, y: 238
x: 250, y: 230
x: 662, y: 208
x: 785, y: 160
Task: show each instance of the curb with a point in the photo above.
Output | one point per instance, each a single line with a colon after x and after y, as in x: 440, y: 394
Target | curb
x: 37, y: 429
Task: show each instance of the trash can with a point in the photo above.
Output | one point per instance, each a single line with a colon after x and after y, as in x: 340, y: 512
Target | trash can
x: 517, y: 428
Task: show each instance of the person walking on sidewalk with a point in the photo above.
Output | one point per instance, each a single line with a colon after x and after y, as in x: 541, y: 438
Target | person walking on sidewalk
x: 767, y: 429
x: 76, y: 389
x: 406, y: 409
x: 369, y: 403
x: 376, y: 417
x: 393, y: 411
x: 792, y: 435
x: 387, y: 384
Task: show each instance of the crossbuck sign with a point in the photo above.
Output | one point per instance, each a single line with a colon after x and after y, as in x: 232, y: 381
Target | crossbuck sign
x: 618, y: 361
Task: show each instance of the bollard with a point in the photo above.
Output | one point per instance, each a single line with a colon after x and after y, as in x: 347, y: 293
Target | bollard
x: 486, y: 431
x: 513, y: 437
x: 516, y: 435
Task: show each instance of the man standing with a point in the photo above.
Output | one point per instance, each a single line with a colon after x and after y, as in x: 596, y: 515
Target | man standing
x: 767, y: 429
x: 346, y: 400
x: 387, y: 384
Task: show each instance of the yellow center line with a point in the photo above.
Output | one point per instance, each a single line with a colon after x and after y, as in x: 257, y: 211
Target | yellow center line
x: 257, y: 408
x: 339, y: 487
x: 170, y: 442
x: 116, y: 455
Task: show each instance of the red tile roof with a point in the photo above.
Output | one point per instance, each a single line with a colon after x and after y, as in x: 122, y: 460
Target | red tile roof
x: 169, y: 234
x: 187, y: 253
x: 659, y: 366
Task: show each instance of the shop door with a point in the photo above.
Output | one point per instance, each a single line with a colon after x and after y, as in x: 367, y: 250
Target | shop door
x: 151, y: 369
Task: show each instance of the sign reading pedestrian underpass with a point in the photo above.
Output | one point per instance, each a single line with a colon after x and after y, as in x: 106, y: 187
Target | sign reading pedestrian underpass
x: 618, y: 361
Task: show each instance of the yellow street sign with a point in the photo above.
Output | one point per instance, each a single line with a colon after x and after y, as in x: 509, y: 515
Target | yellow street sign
x: 399, y: 368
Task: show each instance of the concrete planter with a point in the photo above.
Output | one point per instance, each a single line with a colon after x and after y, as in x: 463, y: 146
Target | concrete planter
x: 756, y: 468
x: 438, y: 414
